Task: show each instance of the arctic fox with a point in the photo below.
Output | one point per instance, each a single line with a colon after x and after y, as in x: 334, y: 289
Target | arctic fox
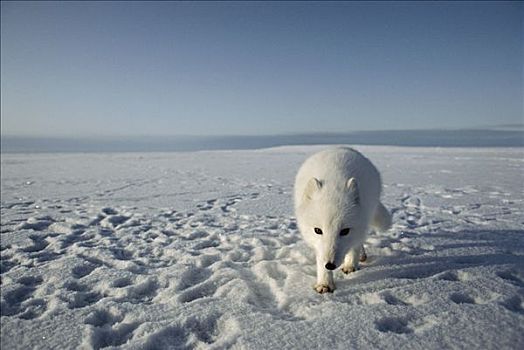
x: 337, y: 199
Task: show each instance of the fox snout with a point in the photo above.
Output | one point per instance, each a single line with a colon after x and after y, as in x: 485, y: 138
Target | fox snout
x: 330, y: 257
x: 330, y: 266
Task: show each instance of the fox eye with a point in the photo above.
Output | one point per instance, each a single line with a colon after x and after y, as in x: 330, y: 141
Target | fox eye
x: 344, y: 232
x: 318, y: 231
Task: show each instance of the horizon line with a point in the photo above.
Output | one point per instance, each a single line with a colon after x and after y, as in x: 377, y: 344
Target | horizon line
x: 513, y: 126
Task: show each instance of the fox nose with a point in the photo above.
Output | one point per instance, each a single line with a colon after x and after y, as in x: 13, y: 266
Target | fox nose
x: 331, y: 266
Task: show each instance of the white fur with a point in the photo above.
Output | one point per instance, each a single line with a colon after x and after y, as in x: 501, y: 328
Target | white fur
x: 335, y: 189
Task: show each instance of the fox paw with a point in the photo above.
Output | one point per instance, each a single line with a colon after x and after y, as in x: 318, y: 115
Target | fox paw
x: 324, y: 288
x: 348, y: 270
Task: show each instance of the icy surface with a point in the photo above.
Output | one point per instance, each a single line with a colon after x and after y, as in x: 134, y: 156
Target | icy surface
x: 201, y: 250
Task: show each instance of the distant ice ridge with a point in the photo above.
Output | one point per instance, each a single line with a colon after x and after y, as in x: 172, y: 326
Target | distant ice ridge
x: 500, y: 136
x: 201, y: 250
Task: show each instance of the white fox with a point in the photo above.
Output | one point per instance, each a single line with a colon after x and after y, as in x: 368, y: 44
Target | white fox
x: 337, y: 199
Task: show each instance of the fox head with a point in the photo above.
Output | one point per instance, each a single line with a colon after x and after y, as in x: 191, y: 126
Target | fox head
x: 332, y: 219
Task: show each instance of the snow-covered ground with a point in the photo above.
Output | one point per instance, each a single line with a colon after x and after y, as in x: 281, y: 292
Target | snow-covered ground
x: 201, y: 250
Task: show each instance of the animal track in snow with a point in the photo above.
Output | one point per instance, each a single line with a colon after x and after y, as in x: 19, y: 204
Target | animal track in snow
x: 75, y: 286
x: 122, y: 282
x: 99, y: 318
x: 454, y: 276
x: 76, y: 236
x: 13, y: 300
x: 461, y: 298
x: 20, y: 301
x: 202, y: 290
x: 109, y: 211
x: 30, y: 280
x: 142, y: 292
x: 195, y: 332
x: 514, y: 304
x: 410, y: 212
x: 191, y: 277
x: 121, y: 253
x: 34, y: 308
x: 83, y: 270
x: 393, y: 324
x: 209, y: 205
x: 83, y: 299
x: 107, y: 329
x: 206, y: 244
x: 275, y: 272
x: 166, y: 338
x: 36, y: 223
x: 448, y: 276
x: 511, y: 278
x: 114, y: 220
x: 39, y: 244
x: 203, y: 328
x: 392, y: 300
x: 206, y: 260
x: 227, y: 207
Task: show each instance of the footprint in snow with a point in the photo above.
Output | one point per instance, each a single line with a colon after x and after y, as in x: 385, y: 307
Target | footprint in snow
x: 36, y: 224
x: 195, y: 332
x: 510, y: 277
x: 393, y: 324
x: 74, y: 286
x: 514, y: 304
x: 142, y: 292
x: 20, y: 301
x: 83, y: 270
x: 83, y: 299
x: 198, y: 290
x: 107, y: 329
x: 461, y: 298
x: 165, y: 339
x: 39, y: 244
x: 122, y: 282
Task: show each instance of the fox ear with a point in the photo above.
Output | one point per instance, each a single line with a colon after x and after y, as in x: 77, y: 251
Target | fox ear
x: 352, y: 187
x: 313, y: 185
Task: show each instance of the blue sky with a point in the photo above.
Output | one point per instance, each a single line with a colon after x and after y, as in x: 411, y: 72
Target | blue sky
x: 181, y: 68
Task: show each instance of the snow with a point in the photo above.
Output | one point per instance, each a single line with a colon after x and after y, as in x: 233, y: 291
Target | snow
x: 201, y: 250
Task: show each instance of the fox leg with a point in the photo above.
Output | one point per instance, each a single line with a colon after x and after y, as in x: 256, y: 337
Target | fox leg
x: 325, y: 283
x: 363, y: 255
x: 351, y: 260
